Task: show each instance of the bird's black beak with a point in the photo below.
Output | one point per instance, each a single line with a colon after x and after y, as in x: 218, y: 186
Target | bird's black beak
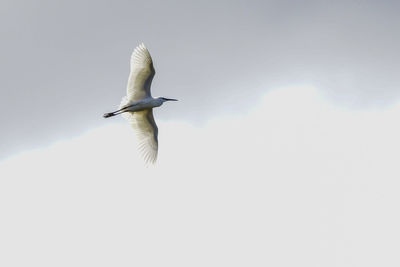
x: 171, y: 99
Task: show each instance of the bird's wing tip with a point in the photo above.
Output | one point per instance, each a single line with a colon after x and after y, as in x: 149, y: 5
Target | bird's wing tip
x: 140, y: 48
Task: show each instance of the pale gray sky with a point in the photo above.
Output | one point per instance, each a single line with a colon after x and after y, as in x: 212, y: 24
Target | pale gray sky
x: 65, y: 63
x: 282, y: 151
x: 273, y: 187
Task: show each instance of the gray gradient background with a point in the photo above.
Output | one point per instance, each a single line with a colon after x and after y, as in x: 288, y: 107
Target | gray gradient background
x: 65, y: 63
x: 282, y: 151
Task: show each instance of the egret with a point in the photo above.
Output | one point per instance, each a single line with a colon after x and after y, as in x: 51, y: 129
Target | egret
x: 137, y: 106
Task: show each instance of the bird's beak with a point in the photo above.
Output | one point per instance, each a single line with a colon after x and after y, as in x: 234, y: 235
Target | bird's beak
x: 171, y: 99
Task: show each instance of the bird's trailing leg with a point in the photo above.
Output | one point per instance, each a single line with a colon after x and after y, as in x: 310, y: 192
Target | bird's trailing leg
x: 107, y: 115
x: 110, y: 114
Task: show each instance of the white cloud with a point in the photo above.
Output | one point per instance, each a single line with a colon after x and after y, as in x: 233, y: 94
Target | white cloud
x: 294, y: 182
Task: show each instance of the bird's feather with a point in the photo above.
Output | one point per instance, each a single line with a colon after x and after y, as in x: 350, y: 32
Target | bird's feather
x: 147, y: 133
x: 141, y: 74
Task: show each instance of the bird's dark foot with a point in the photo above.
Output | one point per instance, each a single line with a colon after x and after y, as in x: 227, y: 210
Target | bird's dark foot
x: 108, y: 115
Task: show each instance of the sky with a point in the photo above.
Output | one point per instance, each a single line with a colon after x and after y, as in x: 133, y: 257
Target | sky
x: 281, y: 151
x: 66, y: 63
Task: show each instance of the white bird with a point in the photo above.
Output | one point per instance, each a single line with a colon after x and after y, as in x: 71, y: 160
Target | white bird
x: 137, y: 106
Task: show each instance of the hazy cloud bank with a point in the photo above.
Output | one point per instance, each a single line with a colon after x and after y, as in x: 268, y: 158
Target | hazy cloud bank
x: 295, y: 181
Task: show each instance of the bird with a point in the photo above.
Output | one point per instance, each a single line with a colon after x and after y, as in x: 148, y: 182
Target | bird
x: 137, y: 106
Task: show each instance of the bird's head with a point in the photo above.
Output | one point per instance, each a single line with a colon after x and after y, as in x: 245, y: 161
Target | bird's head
x: 164, y: 99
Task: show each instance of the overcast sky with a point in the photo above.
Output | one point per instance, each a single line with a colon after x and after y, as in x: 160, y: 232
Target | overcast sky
x: 65, y: 63
x: 272, y: 187
x: 282, y: 150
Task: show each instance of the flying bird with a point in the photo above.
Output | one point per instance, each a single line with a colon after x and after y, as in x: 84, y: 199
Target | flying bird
x: 137, y: 106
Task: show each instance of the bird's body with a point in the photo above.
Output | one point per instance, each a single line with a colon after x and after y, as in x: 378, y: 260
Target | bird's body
x: 133, y: 106
x: 138, y: 104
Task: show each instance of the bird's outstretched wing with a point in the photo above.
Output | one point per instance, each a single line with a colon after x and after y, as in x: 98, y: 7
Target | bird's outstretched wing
x: 147, y: 133
x: 141, y: 75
